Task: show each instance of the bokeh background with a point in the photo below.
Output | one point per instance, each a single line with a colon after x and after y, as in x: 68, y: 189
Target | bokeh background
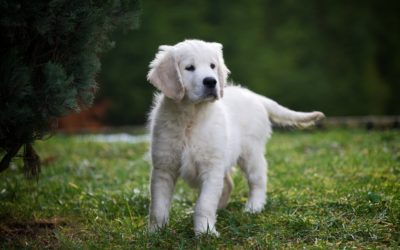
x: 340, y: 57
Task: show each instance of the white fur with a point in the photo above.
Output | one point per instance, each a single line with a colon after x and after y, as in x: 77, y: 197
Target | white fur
x: 201, y: 137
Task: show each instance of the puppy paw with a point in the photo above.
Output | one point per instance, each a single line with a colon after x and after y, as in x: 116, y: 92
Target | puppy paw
x: 210, y: 232
x: 154, y: 228
x: 254, y: 207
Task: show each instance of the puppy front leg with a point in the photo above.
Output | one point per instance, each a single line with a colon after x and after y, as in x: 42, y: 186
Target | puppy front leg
x: 161, y: 189
x: 207, y: 204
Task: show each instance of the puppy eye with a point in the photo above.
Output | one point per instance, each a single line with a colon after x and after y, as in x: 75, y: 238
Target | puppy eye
x: 190, y: 68
x: 212, y: 65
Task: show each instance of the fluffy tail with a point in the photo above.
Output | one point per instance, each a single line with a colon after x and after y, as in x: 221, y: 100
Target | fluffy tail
x: 286, y: 117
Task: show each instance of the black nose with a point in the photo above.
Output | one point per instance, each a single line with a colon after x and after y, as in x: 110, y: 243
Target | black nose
x: 209, y: 82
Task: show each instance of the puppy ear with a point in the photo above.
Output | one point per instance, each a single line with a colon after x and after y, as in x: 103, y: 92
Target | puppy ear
x: 223, y: 71
x: 164, y: 74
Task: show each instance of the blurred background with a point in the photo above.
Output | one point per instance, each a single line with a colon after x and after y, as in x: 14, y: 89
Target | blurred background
x: 340, y: 57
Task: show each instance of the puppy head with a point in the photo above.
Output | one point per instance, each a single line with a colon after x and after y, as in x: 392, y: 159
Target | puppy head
x: 192, y: 70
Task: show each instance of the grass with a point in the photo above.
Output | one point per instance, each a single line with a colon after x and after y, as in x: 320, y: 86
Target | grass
x: 327, y: 189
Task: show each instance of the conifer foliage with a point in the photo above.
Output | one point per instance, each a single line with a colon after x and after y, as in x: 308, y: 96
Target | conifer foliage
x: 49, y: 59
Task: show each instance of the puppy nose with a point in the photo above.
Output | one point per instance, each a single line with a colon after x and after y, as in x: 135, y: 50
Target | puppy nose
x: 209, y: 82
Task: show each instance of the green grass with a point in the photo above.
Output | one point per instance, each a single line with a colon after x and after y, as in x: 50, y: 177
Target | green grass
x: 326, y: 189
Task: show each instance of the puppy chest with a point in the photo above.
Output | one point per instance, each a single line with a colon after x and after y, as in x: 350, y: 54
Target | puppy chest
x: 190, y: 166
x: 196, y: 160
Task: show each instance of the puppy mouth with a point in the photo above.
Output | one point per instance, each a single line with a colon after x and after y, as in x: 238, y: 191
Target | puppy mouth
x: 212, y: 96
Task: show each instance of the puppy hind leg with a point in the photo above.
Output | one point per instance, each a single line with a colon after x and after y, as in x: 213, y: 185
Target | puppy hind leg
x: 255, y: 168
x: 226, y: 191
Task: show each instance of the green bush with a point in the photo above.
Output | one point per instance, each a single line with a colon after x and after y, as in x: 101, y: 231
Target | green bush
x: 50, y: 57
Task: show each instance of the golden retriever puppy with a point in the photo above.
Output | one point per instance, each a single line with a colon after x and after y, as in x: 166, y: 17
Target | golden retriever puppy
x: 201, y: 128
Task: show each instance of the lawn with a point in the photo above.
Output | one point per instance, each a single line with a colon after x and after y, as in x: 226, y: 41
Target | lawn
x: 326, y: 189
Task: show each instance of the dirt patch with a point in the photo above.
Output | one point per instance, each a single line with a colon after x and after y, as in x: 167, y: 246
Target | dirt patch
x: 38, y: 233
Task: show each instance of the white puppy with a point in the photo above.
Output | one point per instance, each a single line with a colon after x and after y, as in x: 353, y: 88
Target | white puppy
x: 200, y: 129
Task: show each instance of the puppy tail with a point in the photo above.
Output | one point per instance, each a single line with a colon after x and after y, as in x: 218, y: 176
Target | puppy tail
x: 286, y: 117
